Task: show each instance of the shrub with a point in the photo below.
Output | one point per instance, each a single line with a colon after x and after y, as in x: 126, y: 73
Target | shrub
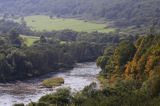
x: 52, y: 82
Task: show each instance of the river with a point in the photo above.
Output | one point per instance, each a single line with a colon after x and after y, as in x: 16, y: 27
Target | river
x: 31, y: 90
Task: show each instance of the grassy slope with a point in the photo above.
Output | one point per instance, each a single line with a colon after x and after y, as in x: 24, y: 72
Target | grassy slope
x: 41, y: 23
x: 29, y: 40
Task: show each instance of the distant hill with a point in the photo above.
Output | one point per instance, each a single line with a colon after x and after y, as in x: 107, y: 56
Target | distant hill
x: 123, y: 12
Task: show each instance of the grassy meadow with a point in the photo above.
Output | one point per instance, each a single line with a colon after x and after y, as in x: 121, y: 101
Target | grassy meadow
x: 41, y: 23
x: 29, y: 40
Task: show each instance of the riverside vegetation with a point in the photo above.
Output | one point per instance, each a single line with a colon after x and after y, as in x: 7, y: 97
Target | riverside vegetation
x: 23, y: 57
x: 129, y: 78
x: 53, y: 82
x: 129, y: 64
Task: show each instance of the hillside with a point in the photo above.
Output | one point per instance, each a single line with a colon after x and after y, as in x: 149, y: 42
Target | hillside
x: 123, y: 12
x: 130, y: 76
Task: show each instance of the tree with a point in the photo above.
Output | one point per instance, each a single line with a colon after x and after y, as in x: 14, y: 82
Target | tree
x: 61, y: 98
x: 43, y: 39
x: 14, y: 38
x: 123, y: 53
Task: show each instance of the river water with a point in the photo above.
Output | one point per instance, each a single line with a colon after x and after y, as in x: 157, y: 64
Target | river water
x: 31, y: 90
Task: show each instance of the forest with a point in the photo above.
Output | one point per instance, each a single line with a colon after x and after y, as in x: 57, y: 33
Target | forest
x: 53, y: 51
x: 124, y: 13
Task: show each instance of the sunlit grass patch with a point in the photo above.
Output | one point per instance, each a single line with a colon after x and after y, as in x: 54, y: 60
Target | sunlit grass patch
x: 41, y: 23
x: 53, y: 82
x: 29, y: 40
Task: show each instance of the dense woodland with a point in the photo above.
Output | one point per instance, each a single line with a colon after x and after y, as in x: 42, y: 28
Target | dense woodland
x: 52, y: 52
x: 123, y: 12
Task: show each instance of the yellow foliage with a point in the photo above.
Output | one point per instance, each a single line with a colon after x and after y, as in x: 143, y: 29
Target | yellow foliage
x: 52, y: 82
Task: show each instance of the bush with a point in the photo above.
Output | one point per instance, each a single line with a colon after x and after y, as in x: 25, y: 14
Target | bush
x: 52, y: 82
x: 61, y: 97
x: 21, y: 104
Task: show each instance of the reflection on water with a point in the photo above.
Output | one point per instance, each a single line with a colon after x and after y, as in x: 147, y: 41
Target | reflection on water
x: 83, y: 74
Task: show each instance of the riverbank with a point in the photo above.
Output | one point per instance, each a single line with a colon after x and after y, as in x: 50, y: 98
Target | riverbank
x: 77, y: 78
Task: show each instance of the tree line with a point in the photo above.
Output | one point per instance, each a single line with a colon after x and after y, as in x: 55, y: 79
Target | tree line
x: 124, y: 13
x: 53, y: 51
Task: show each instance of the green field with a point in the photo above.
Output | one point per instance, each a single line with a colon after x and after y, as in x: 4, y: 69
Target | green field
x: 29, y: 40
x: 40, y: 23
